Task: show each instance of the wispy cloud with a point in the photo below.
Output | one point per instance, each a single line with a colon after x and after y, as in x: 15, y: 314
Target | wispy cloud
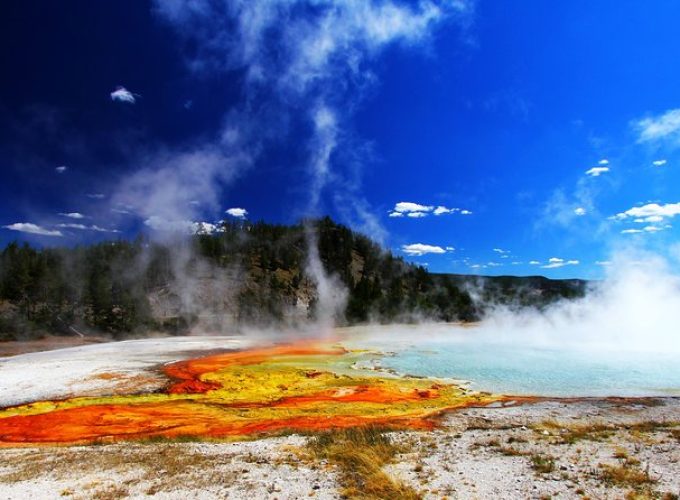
x: 61, y: 169
x: 239, y: 213
x: 646, y: 229
x: 661, y: 127
x: 418, y: 249
x: 84, y: 227
x: 597, y: 171
x: 121, y: 94
x: 96, y: 196
x: 182, y: 227
x: 162, y: 191
x: 29, y: 227
x: 562, y: 209
x: 316, y: 56
x: 334, y: 37
x: 603, y: 161
x: 659, y: 163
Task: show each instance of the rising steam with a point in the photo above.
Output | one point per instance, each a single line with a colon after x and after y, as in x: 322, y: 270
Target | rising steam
x: 636, y: 308
x: 294, y: 55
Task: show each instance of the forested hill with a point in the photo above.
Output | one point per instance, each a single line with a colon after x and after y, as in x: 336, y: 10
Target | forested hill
x: 247, y: 274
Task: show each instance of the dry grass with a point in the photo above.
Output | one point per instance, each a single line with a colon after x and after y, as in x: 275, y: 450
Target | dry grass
x: 570, y: 434
x: 360, y: 455
x: 625, y: 475
x: 511, y: 451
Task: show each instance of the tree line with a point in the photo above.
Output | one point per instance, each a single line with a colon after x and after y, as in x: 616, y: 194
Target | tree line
x: 108, y: 287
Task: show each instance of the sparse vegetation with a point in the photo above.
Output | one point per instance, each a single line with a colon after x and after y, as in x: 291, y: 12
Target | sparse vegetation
x: 164, y: 466
x: 572, y: 433
x: 360, y: 455
x: 543, y: 464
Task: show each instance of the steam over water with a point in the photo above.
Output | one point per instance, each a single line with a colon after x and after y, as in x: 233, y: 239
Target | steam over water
x: 622, y: 339
x: 523, y: 369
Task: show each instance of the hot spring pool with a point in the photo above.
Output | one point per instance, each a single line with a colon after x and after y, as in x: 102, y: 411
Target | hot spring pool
x: 529, y: 370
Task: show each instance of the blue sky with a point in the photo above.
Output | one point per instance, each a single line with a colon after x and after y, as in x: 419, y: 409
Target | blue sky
x: 472, y: 137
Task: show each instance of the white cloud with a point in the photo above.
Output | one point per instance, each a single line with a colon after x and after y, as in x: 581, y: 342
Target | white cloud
x: 73, y: 215
x: 416, y: 210
x: 603, y: 263
x: 28, y: 227
x: 665, y: 126
x: 407, y: 207
x: 580, y: 211
x: 501, y: 251
x: 597, y: 171
x: 416, y: 215
x: 441, y: 210
x: 603, y: 161
x: 61, y: 169
x: 555, y: 262
x: 450, y: 249
x: 239, y: 213
x: 121, y: 94
x: 534, y: 263
x: 652, y: 212
x: 651, y: 218
x: 659, y: 163
x: 418, y: 249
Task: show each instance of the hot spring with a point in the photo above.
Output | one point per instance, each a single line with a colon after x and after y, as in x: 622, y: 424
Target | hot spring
x: 504, y: 364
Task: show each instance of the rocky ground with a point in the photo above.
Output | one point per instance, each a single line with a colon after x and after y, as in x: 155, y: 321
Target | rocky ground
x: 587, y: 449
x: 584, y: 449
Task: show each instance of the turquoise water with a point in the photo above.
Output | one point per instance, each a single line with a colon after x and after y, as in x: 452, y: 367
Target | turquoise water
x: 530, y: 370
